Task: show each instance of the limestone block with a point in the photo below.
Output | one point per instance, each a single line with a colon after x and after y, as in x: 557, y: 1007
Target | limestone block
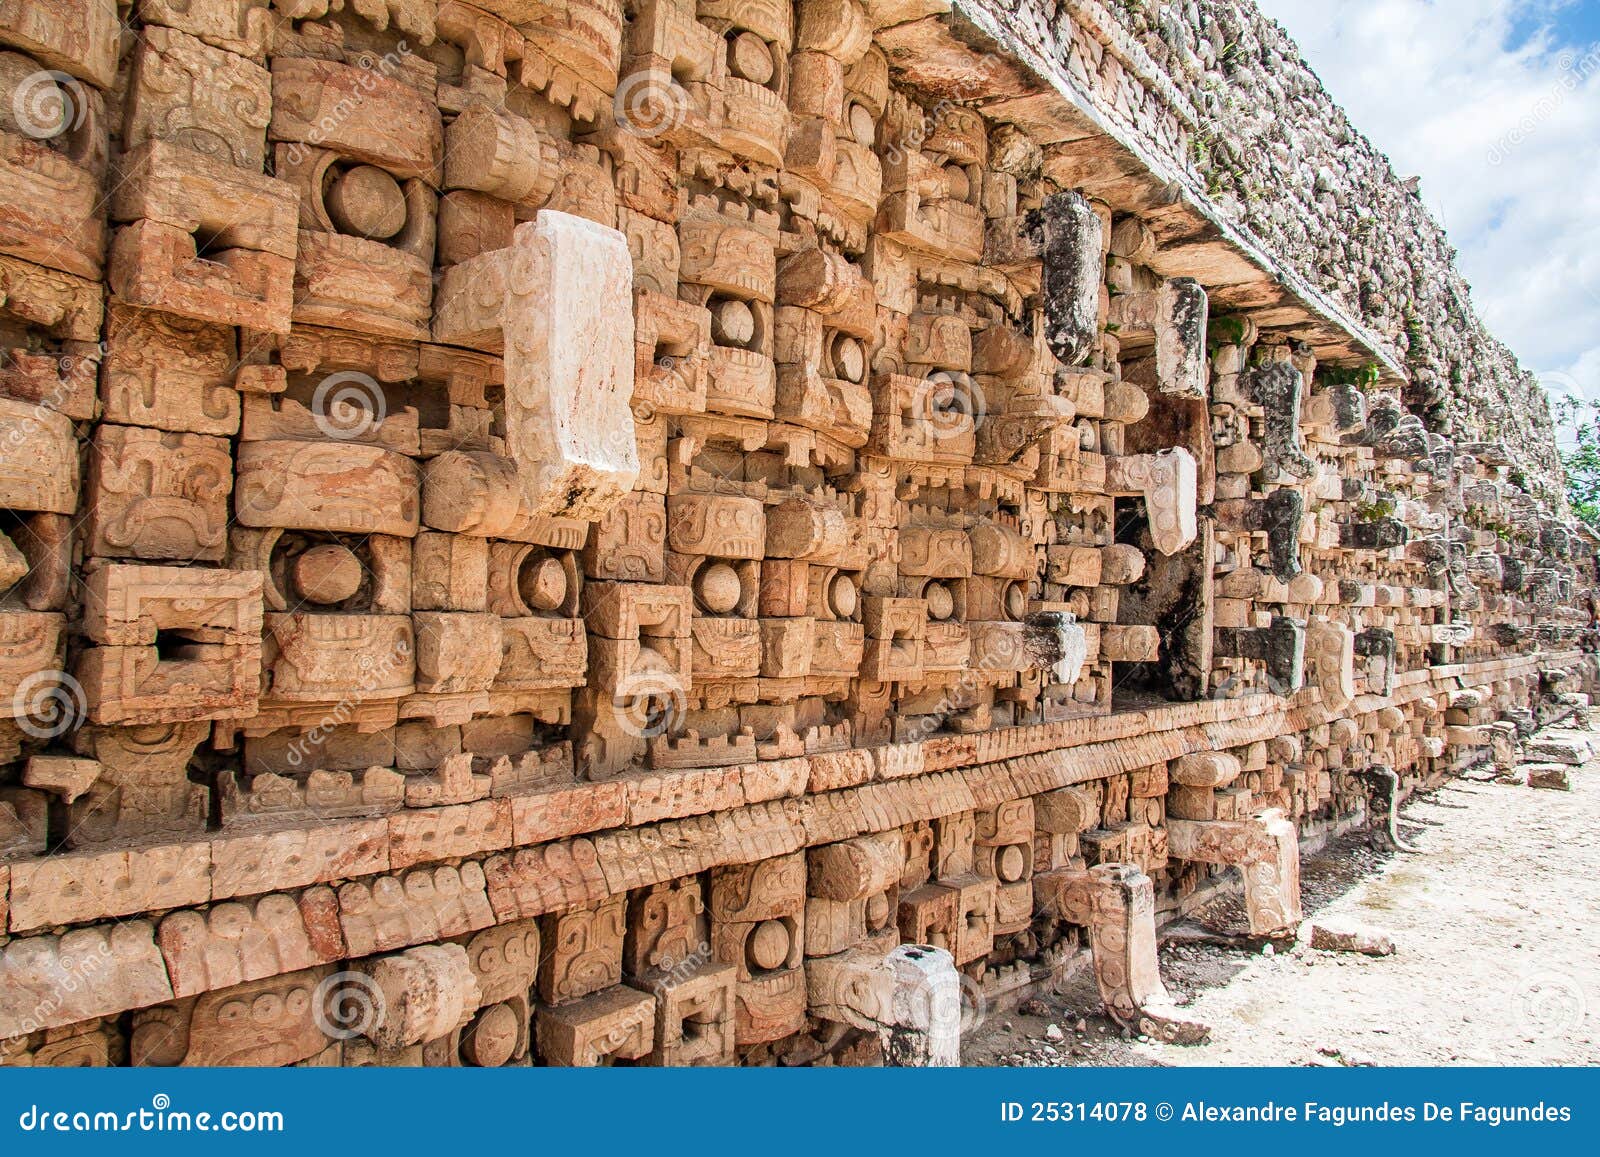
x: 421, y: 994
x: 1341, y: 937
x: 158, y: 495
x: 757, y: 924
x: 239, y: 26
x: 1116, y: 902
x: 472, y: 223
x: 32, y: 684
x: 388, y: 912
x: 67, y: 778
x: 201, y: 681
x: 1330, y: 662
x: 541, y: 653
x: 618, y: 1023
x: 501, y: 154
x: 157, y: 266
x: 449, y: 572
x: 235, y: 942
x: 56, y: 218
x: 46, y: 477
x: 1551, y: 776
x: 1277, y: 387
x: 1129, y: 644
x: 583, y: 951
x: 504, y: 960
x: 566, y: 811
x: 1265, y: 847
x: 213, y: 613
x: 1280, y: 646
x: 194, y: 193
x: 421, y: 834
x: 456, y: 651
x: 67, y: 307
x: 1067, y: 811
x: 326, y: 658
x: 269, y: 1022
x: 77, y: 36
x: 169, y: 372
x: 47, y: 981
x: 142, y: 789
x: 359, y: 112
x: 1548, y: 749
x: 356, y: 284
x: 473, y: 492
x: 65, y: 384
x: 333, y: 486
x: 71, y: 889
x: 559, y: 302
x: 694, y: 1016
x: 1172, y: 317
x: 1167, y: 480
x: 208, y: 101
x: 130, y: 605
x: 246, y: 864
x: 534, y: 881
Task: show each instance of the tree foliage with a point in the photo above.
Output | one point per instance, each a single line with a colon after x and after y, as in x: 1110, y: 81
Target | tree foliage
x: 1582, y: 458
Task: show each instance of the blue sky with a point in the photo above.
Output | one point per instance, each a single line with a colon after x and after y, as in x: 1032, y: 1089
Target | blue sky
x: 1574, y: 23
x: 1495, y: 104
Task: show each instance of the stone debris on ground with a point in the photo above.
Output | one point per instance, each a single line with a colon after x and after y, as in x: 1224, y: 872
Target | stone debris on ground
x: 1349, y: 938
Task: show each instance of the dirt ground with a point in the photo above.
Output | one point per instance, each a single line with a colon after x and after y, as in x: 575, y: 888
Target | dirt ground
x: 1496, y: 926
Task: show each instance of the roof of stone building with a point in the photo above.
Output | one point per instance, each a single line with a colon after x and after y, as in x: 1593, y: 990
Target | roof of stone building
x: 1269, y: 151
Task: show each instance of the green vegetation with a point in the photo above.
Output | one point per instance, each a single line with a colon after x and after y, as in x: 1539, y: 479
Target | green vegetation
x: 1373, y: 511
x: 1363, y: 377
x: 1225, y: 330
x: 1504, y: 531
x: 1582, y: 460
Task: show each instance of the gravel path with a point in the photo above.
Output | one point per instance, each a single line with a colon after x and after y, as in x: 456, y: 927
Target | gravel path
x: 1497, y: 934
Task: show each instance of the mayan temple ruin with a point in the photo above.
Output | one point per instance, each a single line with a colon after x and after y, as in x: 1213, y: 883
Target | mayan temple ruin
x: 712, y: 532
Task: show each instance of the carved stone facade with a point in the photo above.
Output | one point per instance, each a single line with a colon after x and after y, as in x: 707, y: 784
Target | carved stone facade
x: 595, y: 532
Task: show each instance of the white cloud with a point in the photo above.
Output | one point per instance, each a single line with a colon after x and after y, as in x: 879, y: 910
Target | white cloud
x: 1506, y: 142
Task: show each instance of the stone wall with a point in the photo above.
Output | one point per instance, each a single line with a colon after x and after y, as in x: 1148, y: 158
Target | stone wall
x: 562, y: 533
x: 1221, y: 96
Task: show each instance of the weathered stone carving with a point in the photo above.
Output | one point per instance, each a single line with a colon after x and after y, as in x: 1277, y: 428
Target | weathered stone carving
x: 758, y: 925
x: 1167, y: 483
x: 88, y: 972
x: 422, y: 994
x: 558, y: 303
x: 1280, y: 646
x: 1276, y: 387
x: 1116, y: 903
x: 1066, y: 233
x: 615, y: 1024
x: 1173, y: 317
x: 1265, y: 848
x: 1330, y: 662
